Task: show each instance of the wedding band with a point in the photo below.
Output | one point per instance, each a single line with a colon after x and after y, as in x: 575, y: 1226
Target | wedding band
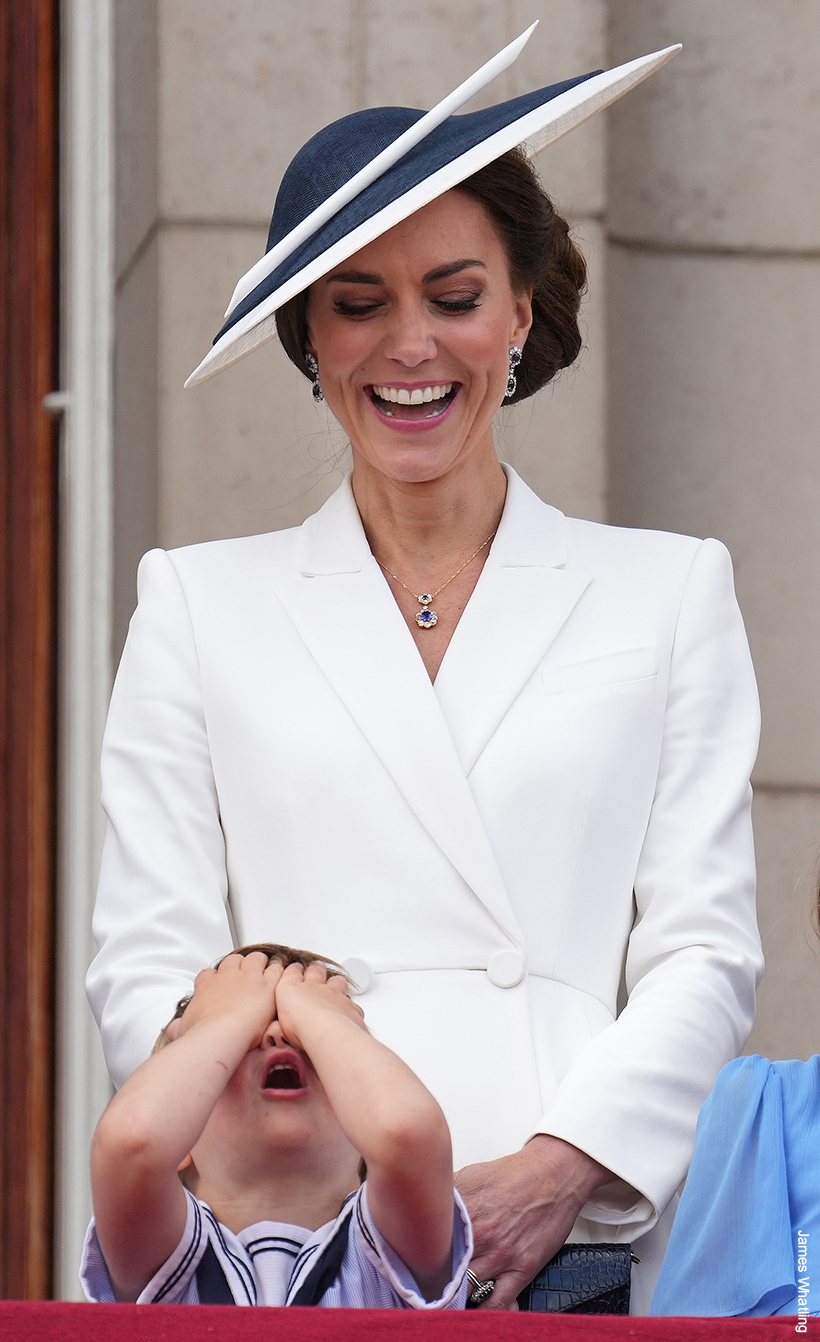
x: 482, y: 1290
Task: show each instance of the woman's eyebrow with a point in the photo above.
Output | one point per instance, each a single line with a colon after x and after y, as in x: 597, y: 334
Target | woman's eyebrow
x: 440, y: 273
x: 354, y: 277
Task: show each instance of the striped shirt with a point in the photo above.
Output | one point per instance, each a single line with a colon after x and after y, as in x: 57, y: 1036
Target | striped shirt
x: 344, y: 1263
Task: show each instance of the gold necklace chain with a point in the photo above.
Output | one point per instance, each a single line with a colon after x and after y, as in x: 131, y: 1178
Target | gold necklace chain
x: 426, y: 617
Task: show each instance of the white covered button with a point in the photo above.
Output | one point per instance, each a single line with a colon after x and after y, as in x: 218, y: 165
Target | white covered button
x: 360, y: 972
x: 506, y: 968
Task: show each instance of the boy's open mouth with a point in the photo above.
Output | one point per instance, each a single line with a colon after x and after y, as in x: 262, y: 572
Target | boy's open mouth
x: 284, y: 1071
x: 426, y: 402
x: 283, y: 1077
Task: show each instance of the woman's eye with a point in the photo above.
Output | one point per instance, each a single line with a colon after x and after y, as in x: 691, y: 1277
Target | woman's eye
x: 466, y: 304
x: 347, y: 309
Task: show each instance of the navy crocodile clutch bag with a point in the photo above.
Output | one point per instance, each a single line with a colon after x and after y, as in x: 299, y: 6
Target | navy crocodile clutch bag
x: 582, y: 1279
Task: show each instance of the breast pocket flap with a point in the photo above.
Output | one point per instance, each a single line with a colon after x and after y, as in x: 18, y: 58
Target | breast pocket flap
x: 613, y: 668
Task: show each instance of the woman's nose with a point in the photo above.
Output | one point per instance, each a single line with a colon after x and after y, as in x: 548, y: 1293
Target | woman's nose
x: 410, y: 339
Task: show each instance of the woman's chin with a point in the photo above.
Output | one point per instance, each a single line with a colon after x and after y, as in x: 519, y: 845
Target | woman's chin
x: 418, y: 458
x: 410, y: 464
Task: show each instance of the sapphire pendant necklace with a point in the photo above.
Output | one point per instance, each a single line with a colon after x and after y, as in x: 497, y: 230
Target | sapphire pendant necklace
x: 426, y: 618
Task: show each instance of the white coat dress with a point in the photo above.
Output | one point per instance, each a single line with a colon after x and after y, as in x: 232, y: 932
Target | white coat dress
x: 560, y: 823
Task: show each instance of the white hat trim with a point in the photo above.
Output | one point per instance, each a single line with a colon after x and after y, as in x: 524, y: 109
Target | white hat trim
x: 623, y: 78
x: 562, y: 114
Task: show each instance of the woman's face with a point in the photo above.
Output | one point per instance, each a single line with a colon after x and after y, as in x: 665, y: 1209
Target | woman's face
x: 424, y: 314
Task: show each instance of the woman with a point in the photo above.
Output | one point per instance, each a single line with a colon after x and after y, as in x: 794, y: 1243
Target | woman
x: 440, y: 730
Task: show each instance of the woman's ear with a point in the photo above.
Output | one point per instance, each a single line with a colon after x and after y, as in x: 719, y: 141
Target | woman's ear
x: 186, y: 1164
x: 522, y: 318
x: 310, y: 348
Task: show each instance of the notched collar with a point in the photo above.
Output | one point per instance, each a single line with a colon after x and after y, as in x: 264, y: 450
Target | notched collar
x: 333, y: 540
x: 531, y: 534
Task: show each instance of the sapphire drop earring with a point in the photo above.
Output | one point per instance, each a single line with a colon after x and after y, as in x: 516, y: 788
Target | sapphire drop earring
x: 313, y: 369
x: 515, y: 359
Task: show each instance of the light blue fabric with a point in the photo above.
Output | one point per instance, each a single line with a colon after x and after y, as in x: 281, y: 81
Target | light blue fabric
x: 753, y: 1188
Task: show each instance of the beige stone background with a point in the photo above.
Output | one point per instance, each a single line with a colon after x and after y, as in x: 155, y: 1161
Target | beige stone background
x: 695, y: 406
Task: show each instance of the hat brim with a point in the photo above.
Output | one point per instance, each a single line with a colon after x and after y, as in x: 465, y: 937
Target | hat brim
x: 534, y: 131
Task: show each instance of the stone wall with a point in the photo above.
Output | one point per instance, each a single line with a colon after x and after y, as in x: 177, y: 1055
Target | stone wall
x: 713, y: 218
x: 694, y: 404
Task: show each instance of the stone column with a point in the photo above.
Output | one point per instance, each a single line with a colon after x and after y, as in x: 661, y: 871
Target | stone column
x: 714, y: 256
x: 136, y: 314
x: 556, y: 440
x: 241, y: 86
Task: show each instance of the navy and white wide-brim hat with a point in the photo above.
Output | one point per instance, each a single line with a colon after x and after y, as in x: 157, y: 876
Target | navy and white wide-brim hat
x: 361, y: 175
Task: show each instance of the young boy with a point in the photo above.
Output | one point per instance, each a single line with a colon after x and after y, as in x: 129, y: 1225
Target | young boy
x: 264, y: 1096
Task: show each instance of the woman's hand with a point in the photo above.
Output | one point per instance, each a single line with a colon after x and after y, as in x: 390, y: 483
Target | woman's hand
x: 522, y: 1208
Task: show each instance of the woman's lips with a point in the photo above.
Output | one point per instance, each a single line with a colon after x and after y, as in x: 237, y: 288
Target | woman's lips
x: 420, y: 408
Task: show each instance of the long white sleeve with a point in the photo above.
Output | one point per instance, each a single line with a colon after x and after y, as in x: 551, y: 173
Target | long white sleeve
x: 161, y: 913
x: 632, y: 1098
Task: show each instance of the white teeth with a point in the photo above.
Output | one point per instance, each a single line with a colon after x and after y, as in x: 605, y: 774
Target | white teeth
x: 418, y: 396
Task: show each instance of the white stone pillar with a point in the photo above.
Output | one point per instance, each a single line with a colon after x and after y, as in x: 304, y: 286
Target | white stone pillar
x: 241, y: 86
x: 556, y: 440
x: 714, y: 229
x: 82, y: 1086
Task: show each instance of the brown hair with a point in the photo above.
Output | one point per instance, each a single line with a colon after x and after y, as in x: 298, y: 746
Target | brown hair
x: 541, y: 256
x: 286, y: 955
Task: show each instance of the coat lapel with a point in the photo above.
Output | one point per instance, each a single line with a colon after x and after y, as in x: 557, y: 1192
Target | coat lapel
x: 426, y: 737
x: 521, y: 602
x: 346, y: 615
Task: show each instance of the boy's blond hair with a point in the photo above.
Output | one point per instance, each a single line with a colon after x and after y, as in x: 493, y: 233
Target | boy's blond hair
x: 285, y: 955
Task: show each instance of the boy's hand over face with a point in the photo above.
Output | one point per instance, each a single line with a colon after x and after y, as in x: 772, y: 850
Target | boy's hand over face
x: 241, y: 990
x: 385, y: 1113
x: 304, y: 996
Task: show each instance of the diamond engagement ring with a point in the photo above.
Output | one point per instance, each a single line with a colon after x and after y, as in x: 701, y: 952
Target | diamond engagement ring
x: 482, y: 1290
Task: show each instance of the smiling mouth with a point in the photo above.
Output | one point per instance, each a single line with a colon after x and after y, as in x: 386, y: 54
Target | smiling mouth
x: 420, y: 403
